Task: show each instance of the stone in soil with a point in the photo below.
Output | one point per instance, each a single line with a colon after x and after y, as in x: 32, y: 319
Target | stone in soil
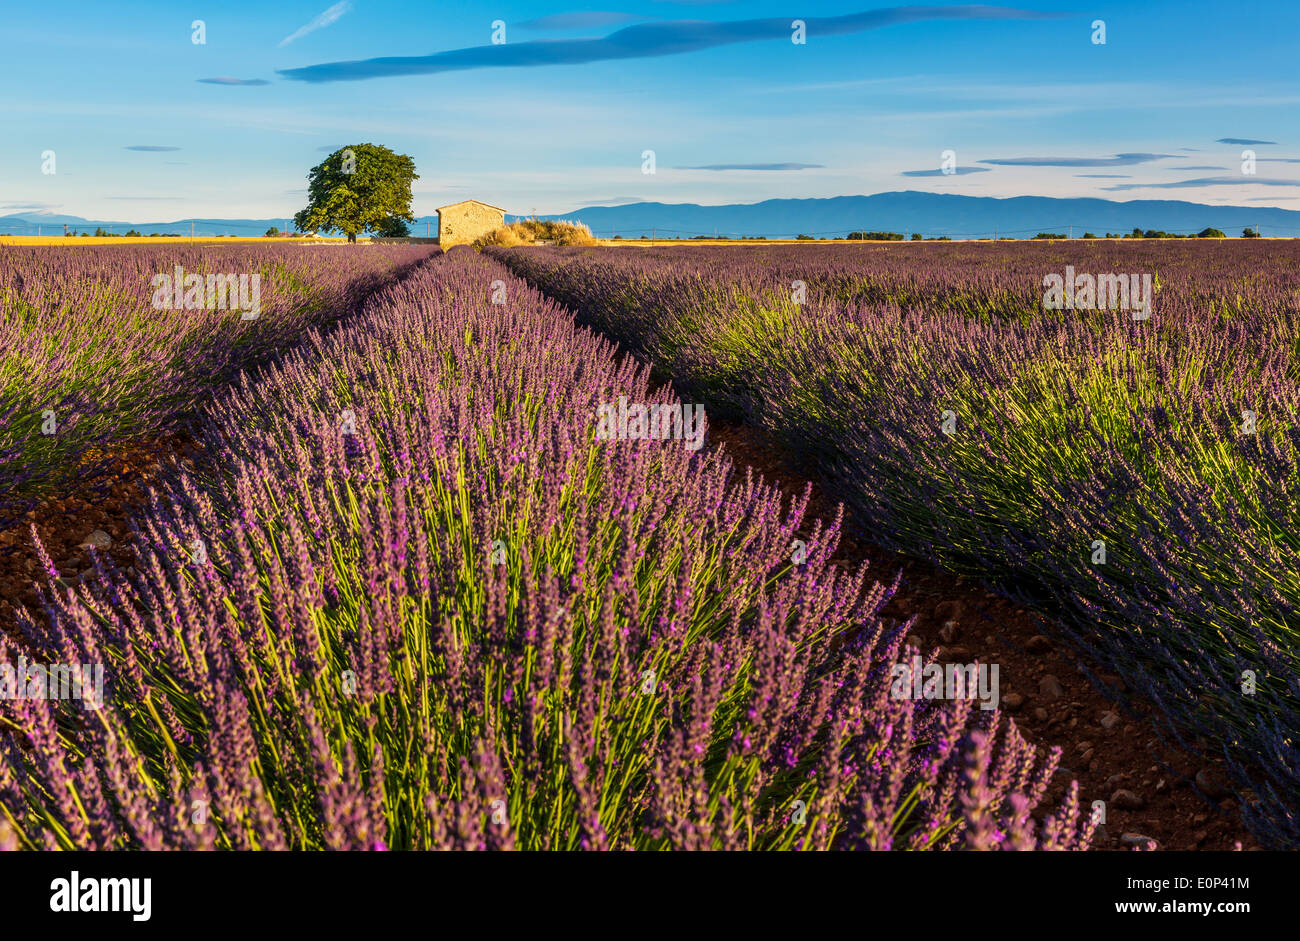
x: 1127, y: 800
x: 1038, y: 644
x: 1050, y: 687
x: 98, y: 540
x: 1139, y: 840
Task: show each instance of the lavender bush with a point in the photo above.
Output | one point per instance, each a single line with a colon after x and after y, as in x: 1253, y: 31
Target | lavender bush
x: 409, y: 600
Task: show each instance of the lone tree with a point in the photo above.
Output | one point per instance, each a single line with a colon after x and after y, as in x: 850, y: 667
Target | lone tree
x: 358, y: 189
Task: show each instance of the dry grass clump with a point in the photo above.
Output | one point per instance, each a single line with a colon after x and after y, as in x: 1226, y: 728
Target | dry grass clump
x: 532, y: 231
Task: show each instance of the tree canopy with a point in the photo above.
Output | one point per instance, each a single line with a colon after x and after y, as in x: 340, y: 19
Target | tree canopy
x: 358, y: 189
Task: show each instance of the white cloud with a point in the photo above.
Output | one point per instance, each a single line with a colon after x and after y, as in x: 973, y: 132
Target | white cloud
x: 320, y: 22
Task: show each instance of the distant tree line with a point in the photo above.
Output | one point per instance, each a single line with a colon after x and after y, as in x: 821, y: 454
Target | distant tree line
x: 1137, y: 233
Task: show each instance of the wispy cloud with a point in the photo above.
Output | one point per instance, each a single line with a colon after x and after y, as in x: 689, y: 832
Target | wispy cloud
x: 1119, y: 160
x: 29, y: 205
x: 1243, y: 140
x: 958, y: 171
x: 756, y: 166
x: 231, y: 80
x: 1104, y: 176
x: 148, y: 199
x: 643, y: 41
x: 1185, y: 169
x: 320, y: 22
x: 1205, y: 181
x: 150, y: 148
x: 585, y: 20
x: 619, y: 201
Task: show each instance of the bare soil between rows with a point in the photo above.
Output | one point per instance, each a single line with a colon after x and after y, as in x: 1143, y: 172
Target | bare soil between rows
x: 102, y: 500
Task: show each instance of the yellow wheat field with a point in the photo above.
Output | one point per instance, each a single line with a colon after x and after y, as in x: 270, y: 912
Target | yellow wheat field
x: 123, y: 240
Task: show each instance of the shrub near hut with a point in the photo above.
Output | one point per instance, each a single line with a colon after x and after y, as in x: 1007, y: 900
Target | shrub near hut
x: 535, y: 231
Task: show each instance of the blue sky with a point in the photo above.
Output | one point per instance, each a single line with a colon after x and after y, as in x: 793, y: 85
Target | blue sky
x: 1027, y: 102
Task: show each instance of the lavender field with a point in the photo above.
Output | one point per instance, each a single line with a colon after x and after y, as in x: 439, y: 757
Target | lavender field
x: 412, y: 592
x: 410, y: 595
x: 1130, y: 471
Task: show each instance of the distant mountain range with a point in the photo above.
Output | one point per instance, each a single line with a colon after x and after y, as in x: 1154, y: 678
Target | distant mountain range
x: 931, y: 214
x: 37, y: 223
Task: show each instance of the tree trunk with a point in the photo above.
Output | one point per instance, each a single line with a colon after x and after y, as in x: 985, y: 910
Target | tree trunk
x: 352, y: 237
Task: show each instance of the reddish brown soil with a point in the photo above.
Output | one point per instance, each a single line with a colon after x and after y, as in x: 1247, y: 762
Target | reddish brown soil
x: 101, y: 500
x: 968, y: 623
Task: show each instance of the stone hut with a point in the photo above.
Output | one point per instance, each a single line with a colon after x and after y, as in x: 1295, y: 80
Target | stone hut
x: 462, y: 223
